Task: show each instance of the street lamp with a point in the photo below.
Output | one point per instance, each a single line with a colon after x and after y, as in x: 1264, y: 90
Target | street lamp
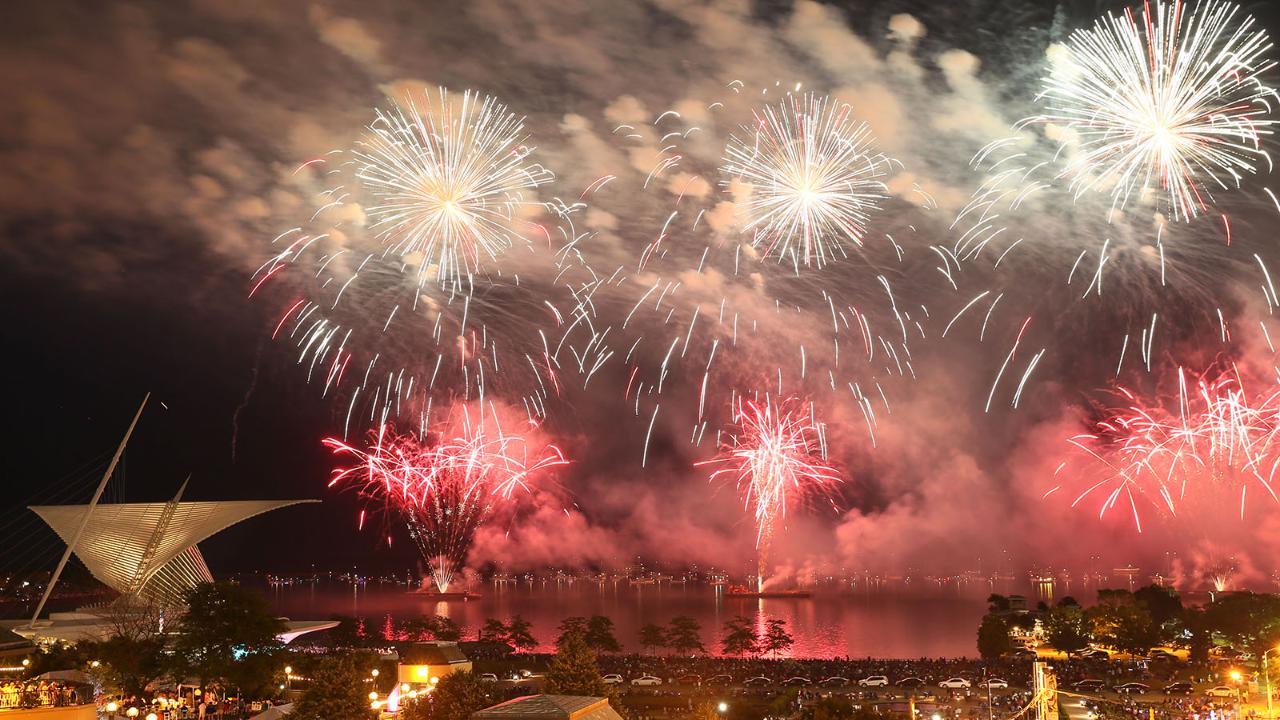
x: 722, y: 707
x: 1267, y: 675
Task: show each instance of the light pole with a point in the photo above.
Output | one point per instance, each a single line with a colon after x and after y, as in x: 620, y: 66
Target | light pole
x: 1266, y: 674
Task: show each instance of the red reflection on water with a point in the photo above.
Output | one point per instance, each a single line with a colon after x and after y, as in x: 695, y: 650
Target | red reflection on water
x: 879, y: 624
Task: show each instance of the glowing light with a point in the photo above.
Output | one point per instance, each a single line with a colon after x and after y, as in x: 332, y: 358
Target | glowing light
x: 445, y: 487
x: 448, y: 175
x: 1216, y: 440
x: 776, y: 457
x: 814, y: 174
x: 1168, y: 101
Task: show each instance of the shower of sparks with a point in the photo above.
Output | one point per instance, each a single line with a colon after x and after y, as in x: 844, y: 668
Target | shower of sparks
x: 1168, y: 100
x: 813, y: 175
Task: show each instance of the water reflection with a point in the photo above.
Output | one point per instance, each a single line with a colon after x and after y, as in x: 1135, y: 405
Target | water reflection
x: 896, y: 622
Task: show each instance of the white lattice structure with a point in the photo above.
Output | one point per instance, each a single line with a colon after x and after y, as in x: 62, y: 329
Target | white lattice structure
x: 148, y: 550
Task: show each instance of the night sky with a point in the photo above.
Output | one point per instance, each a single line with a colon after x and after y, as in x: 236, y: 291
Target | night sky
x: 148, y: 162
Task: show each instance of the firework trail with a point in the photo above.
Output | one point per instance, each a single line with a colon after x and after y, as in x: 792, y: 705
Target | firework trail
x: 444, y: 487
x: 1185, y: 457
x: 1169, y: 101
x: 777, y: 459
x: 812, y: 176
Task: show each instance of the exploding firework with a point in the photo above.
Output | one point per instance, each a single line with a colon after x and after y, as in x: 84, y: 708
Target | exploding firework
x: 814, y: 178
x: 777, y: 459
x: 447, y: 176
x: 401, y: 295
x: 1206, y: 452
x: 1168, y: 102
x: 444, y: 487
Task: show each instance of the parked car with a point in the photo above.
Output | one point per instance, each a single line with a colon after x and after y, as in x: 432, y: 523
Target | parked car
x: 1221, y: 691
x: 954, y: 683
x: 720, y: 680
x: 1024, y: 654
x: 874, y: 681
x: 1161, y: 654
x: 1179, y: 688
x: 488, y: 677
x: 797, y: 681
x: 910, y: 682
x: 689, y: 680
x: 758, y: 681
x: 1132, y: 688
x: 1088, y: 684
x: 647, y: 680
x: 1095, y: 654
x: 997, y: 683
x: 835, y: 681
x: 613, y: 679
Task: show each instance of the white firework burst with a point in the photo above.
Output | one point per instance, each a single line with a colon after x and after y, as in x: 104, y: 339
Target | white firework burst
x: 815, y: 178
x: 448, y: 175
x: 1168, y: 101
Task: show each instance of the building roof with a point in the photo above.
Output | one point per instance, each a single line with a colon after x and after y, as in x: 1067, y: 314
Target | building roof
x: 12, y: 644
x: 148, y: 549
x: 433, y: 653
x: 550, y: 707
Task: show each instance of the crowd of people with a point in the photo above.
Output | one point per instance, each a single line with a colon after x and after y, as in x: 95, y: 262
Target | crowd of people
x: 190, y: 706
x: 42, y: 693
x: 778, y: 671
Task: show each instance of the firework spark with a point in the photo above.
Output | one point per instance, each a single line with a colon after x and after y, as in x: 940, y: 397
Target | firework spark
x: 814, y: 174
x: 448, y: 176
x: 777, y: 459
x: 1216, y: 443
x: 445, y: 487
x: 1170, y: 101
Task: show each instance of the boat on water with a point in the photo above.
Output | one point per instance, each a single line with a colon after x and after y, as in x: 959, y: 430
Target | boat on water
x: 437, y: 595
x: 738, y: 591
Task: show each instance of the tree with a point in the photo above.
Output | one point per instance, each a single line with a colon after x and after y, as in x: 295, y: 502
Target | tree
x: 1066, y: 629
x: 776, y: 639
x: 1247, y: 620
x: 129, y: 664
x: 993, y: 637
x: 997, y: 603
x: 456, y: 696
x: 224, y: 624
x: 1163, y: 603
x: 832, y: 707
x: 685, y: 636
x: 600, y: 636
x: 1122, y: 623
x: 652, y: 636
x: 570, y: 626
x: 336, y: 692
x: 739, y: 637
x: 348, y: 633
x: 415, y: 628
x: 1199, y: 634
x: 573, y: 670
x: 494, y: 630
x: 520, y: 634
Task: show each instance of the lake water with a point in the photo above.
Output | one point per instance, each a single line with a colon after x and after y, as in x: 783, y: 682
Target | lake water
x: 941, y: 622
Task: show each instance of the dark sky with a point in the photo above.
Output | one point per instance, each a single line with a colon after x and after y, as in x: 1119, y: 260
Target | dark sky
x: 125, y: 269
